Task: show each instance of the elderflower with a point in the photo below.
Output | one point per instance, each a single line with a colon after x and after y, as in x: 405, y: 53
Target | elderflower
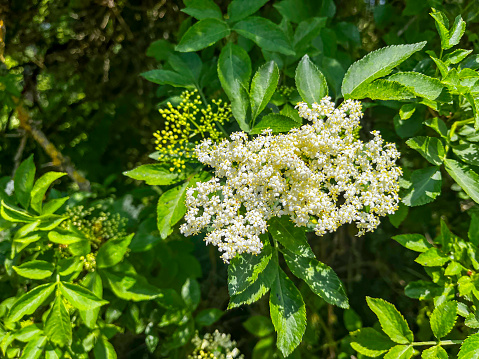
x: 319, y: 174
x: 214, y: 346
x: 189, y: 120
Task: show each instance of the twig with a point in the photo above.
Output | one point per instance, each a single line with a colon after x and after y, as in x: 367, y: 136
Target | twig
x: 19, y: 154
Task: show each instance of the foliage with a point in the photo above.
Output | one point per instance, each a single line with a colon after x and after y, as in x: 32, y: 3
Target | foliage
x: 109, y: 273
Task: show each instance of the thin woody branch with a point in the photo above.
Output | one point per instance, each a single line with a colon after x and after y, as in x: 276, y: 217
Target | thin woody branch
x: 56, y: 156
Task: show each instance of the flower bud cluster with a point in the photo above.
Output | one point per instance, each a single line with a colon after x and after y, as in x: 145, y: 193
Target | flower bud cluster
x: 96, y: 224
x: 190, y: 121
x: 214, y: 346
x: 319, y: 174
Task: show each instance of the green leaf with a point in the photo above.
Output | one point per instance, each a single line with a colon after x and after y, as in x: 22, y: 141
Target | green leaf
x: 265, y: 34
x: 202, y: 9
x: 443, y: 319
x: 171, y: 208
x: 203, y: 34
x: 425, y: 187
x: 370, y: 342
x: 234, y: 65
x: 15, y: 214
x: 191, y: 293
x: 58, y: 327
x: 435, y: 352
x: 422, y: 290
x: 276, y: 122
x: 28, y: 333
x: 41, y: 187
x: 431, y: 258
x: 288, y: 313
x: 234, y: 72
x: 80, y: 297
x: 291, y: 237
x: 376, y: 64
x: 240, y: 9
x: 322, y: 280
x: 23, y: 181
x: 259, y: 326
x: 128, y: 285
x: 465, y: 177
x: 392, y: 322
x: 113, y: 251
x: 454, y: 268
x: 92, y: 282
x: 382, y: 90
x: 419, y: 84
x: 414, y: 242
x: 30, y: 301
x: 167, y: 77
x: 456, y: 56
x: 259, y: 287
x: 470, y: 348
x: 263, y: 86
x: 208, y: 316
x: 35, y: 269
x: 310, y: 82
x: 467, y: 152
x: 53, y: 205
x: 154, y: 174
x: 456, y: 32
x: 65, y: 237
x: 244, y: 269
x: 34, y: 348
x: 442, y: 24
x: 306, y: 31
x: 400, y: 352
x: 407, y: 110
x: 437, y: 125
x: 473, y: 232
x: 430, y: 148
x: 103, y: 349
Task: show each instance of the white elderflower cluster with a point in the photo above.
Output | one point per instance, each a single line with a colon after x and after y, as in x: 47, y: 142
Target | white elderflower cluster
x: 319, y: 173
x: 217, y: 345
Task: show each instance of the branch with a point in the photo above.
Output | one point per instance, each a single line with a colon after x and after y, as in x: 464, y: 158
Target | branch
x: 57, y: 158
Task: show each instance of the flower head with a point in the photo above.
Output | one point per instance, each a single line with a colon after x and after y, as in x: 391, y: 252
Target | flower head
x: 217, y: 345
x: 320, y: 173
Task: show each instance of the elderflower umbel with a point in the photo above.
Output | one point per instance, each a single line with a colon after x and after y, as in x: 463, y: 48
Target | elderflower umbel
x: 184, y: 124
x: 319, y: 173
x: 214, y: 346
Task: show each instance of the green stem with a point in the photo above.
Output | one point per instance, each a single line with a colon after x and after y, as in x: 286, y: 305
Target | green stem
x: 442, y: 342
x: 453, y: 130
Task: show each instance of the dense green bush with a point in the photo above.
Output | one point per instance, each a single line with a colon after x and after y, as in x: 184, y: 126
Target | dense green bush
x: 315, y: 222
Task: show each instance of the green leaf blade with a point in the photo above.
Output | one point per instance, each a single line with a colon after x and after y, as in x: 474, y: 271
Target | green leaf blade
x: 288, y: 313
x: 30, y: 301
x: 322, y: 280
x: 376, y: 64
x: 35, y: 269
x: 464, y: 177
x: 265, y: 34
x: 203, y: 34
x: 443, y: 319
x: 58, y: 327
x: 80, y: 297
x: 23, y: 181
x: 392, y: 322
x: 310, y: 81
x: 41, y: 187
x: 263, y: 85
